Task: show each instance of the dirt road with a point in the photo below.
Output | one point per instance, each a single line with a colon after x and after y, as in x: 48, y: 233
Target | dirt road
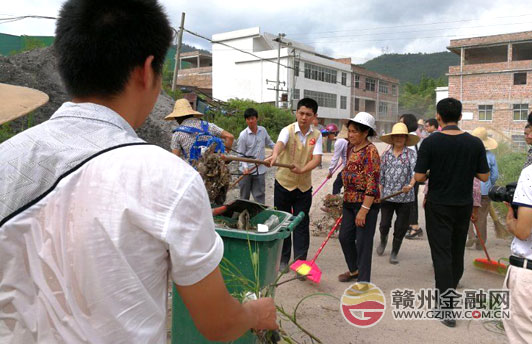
x: 321, y: 316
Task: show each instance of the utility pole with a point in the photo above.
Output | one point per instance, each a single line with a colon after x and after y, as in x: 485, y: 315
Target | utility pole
x: 178, y: 51
x: 293, y: 81
x: 279, y: 41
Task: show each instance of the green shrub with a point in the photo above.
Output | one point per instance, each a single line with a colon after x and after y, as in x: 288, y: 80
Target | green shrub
x: 5, y: 132
x: 270, y: 117
x: 510, y: 165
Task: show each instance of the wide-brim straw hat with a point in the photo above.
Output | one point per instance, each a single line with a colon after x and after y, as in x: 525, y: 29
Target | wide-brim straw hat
x: 482, y: 134
x: 343, y: 133
x: 16, y: 101
x: 182, y: 108
x: 400, y: 129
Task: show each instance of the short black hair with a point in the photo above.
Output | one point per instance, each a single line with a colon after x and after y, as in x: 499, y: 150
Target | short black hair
x: 309, y: 103
x: 98, y: 43
x: 362, y: 127
x: 432, y: 122
x: 529, y: 119
x: 449, y: 109
x: 410, y: 121
x: 251, y: 112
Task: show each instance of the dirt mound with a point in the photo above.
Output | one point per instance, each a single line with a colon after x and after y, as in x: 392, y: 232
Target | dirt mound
x: 38, y: 69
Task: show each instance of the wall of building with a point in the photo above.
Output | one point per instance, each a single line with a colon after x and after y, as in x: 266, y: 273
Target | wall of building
x: 198, y: 77
x: 496, y: 89
x: 337, y: 88
x: 239, y: 75
x: 368, y: 101
x: 487, y: 83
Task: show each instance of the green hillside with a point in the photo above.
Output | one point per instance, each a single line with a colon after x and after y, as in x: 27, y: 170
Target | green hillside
x: 11, y: 44
x: 411, y: 67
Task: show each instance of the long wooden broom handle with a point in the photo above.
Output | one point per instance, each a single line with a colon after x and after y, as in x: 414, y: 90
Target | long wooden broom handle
x: 254, y: 161
x: 392, y: 195
x: 242, y: 177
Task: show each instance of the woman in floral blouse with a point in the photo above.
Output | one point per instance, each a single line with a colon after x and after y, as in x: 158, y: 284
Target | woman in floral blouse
x: 361, y: 184
x: 397, y: 174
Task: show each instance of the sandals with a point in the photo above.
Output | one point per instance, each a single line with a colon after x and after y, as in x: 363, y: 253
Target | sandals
x: 347, y: 276
x: 414, y: 233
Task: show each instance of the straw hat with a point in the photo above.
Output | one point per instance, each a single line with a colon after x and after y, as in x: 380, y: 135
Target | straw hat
x: 420, y: 121
x: 482, y: 134
x: 400, y: 129
x: 364, y: 118
x: 17, y: 101
x: 182, y: 108
x: 343, y: 133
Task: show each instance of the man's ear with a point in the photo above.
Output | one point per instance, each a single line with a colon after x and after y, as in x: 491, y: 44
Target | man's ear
x: 460, y: 118
x: 438, y: 118
x: 148, y: 74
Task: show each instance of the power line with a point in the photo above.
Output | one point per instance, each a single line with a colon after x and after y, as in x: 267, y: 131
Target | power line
x: 400, y: 32
x: 235, y: 48
x: 393, y: 39
x: 258, y: 57
x: 14, y: 19
x: 406, y: 25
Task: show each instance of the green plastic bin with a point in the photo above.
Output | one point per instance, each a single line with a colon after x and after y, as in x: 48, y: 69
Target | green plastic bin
x: 237, y: 244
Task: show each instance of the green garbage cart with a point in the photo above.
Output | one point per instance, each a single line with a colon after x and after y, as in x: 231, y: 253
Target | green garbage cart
x: 240, y: 248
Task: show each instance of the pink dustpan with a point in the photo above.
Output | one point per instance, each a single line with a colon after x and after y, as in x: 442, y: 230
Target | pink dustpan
x: 309, y: 269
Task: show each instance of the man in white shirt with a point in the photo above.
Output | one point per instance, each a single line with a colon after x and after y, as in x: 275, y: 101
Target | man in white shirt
x: 301, y: 145
x: 519, y: 276
x: 92, y: 219
x: 251, y: 144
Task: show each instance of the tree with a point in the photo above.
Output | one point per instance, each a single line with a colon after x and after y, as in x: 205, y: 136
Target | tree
x: 420, y: 99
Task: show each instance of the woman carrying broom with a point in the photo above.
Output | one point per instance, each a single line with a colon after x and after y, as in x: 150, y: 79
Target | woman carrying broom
x: 361, y: 184
x: 397, y: 174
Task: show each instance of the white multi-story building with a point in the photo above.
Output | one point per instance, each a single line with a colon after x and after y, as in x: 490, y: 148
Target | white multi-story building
x: 303, y: 73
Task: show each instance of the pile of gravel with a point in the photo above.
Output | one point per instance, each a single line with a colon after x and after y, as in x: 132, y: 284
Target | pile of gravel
x: 37, y: 69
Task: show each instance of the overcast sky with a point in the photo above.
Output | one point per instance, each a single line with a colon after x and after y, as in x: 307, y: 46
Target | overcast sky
x: 360, y: 30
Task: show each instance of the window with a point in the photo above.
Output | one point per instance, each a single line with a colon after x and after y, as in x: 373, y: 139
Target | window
x: 356, y: 104
x: 344, y: 79
x: 296, y: 68
x: 369, y: 106
x: 519, y: 143
x: 296, y: 93
x: 383, y: 87
x: 383, y: 108
x: 370, y: 84
x: 519, y: 78
x: 394, y: 90
x: 320, y: 73
x: 357, y: 81
x: 520, y: 112
x: 343, y: 102
x: 485, y: 112
x: 327, y: 100
x: 521, y: 51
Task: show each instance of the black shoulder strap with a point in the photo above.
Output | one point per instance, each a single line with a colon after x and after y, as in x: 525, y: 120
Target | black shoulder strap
x: 64, y: 175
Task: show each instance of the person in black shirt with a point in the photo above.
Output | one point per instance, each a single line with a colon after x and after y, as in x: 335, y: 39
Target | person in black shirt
x: 450, y: 159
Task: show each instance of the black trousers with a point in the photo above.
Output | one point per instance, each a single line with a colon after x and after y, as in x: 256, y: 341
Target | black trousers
x: 357, y: 242
x: 338, y: 184
x: 402, y: 210
x: 413, y: 210
x: 294, y: 202
x: 447, y: 228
